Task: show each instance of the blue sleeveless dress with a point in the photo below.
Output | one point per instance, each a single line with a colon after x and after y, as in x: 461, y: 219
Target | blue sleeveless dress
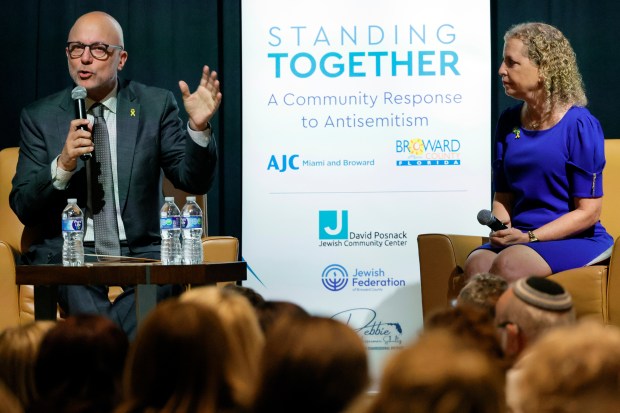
x: 545, y: 170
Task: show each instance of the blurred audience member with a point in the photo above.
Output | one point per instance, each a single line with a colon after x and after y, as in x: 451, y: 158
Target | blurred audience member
x: 571, y: 369
x: 19, y: 347
x: 180, y: 363
x: 528, y: 308
x: 472, y: 324
x: 483, y: 290
x: 79, y: 366
x: 272, y: 311
x: 253, y: 297
x: 311, y: 365
x: 8, y: 401
x: 439, y: 373
x: 245, y: 337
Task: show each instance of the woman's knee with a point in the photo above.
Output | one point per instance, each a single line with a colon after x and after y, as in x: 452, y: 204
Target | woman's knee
x: 478, y: 262
x: 514, y: 265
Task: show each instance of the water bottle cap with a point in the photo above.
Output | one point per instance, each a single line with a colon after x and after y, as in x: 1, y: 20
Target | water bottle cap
x: 169, y: 199
x: 72, y: 201
x: 191, y: 199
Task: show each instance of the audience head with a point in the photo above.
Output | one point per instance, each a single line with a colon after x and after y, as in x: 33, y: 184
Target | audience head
x: 253, y: 297
x: 179, y: 362
x: 572, y: 369
x: 528, y: 308
x: 241, y: 326
x: 483, y: 290
x: 548, y: 49
x: 311, y: 364
x: 273, y: 311
x: 473, y: 325
x: 80, y: 365
x: 440, y: 373
x: 8, y: 401
x: 19, y: 348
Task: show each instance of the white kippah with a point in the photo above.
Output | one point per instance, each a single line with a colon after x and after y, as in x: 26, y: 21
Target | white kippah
x: 543, y: 293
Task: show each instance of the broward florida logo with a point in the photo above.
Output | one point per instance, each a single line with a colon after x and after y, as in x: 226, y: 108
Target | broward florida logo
x: 429, y: 152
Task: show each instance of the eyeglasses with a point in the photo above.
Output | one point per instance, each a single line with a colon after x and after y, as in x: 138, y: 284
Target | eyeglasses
x: 98, y: 50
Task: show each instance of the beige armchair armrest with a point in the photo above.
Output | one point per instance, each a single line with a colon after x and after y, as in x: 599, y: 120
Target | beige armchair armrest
x: 220, y: 249
x: 613, y: 286
x: 442, y: 258
x: 595, y: 289
x: 9, y: 315
x: 588, y: 287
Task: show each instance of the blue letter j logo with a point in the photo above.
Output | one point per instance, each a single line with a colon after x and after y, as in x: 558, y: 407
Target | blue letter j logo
x: 333, y: 224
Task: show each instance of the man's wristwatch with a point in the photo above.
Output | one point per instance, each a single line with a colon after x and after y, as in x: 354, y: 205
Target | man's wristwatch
x: 532, y: 236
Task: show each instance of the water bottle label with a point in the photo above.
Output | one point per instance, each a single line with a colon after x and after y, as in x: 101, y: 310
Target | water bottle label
x: 170, y: 222
x: 191, y: 222
x: 72, y: 225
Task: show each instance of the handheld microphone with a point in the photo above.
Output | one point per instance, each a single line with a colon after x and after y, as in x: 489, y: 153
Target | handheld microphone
x: 78, y: 94
x: 485, y: 217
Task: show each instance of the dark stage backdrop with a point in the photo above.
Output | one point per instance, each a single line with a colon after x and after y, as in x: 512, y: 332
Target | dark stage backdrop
x: 169, y: 40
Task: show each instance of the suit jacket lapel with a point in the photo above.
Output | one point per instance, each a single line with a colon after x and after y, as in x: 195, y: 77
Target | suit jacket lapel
x: 127, y: 121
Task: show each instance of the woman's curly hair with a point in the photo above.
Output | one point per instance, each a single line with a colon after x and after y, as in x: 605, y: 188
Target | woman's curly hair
x: 551, y: 51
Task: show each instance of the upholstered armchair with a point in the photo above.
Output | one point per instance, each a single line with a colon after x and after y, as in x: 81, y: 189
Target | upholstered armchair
x: 17, y: 302
x: 595, y: 289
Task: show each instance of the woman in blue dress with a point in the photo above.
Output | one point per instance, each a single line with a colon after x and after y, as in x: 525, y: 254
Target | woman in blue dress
x: 549, y: 157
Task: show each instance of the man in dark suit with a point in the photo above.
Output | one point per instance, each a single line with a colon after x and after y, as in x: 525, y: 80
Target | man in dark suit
x: 146, y: 137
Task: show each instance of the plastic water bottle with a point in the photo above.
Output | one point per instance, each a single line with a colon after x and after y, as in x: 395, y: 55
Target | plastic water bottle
x: 72, y: 233
x: 170, y: 228
x: 191, y: 223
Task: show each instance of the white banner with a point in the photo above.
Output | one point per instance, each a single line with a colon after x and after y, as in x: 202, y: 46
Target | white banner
x: 364, y: 125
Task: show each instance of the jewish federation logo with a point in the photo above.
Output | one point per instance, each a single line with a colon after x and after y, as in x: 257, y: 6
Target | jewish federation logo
x: 335, y: 277
x: 333, y: 224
